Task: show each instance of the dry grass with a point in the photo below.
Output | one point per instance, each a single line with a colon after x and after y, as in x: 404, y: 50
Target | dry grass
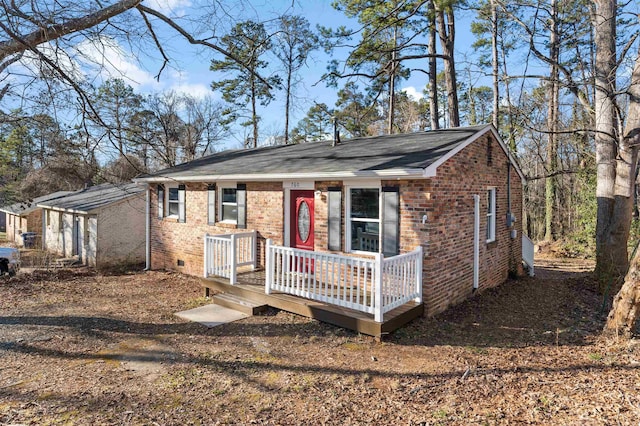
x: 79, y: 347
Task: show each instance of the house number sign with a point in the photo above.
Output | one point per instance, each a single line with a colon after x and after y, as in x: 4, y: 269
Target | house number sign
x: 296, y: 184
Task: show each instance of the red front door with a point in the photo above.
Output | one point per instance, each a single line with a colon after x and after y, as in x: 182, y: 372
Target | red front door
x: 302, y: 220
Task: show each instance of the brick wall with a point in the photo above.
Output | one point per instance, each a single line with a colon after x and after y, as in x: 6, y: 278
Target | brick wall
x: 16, y: 225
x: 446, y: 237
x: 12, y: 227
x: 172, y: 241
x: 53, y: 237
x: 120, y: 233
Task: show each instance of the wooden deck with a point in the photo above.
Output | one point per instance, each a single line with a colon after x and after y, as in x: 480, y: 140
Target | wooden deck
x: 251, y: 287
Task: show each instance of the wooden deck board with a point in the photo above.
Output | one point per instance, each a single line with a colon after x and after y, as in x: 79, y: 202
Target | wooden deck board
x: 251, y: 286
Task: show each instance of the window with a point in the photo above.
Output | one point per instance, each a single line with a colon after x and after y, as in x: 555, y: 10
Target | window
x: 211, y: 204
x: 160, y: 201
x: 173, y: 202
x: 491, y: 215
x: 229, y: 205
x: 363, y: 217
x: 176, y: 202
x: 60, y: 222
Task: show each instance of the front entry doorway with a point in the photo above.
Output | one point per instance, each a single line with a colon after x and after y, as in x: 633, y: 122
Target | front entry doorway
x: 302, y: 221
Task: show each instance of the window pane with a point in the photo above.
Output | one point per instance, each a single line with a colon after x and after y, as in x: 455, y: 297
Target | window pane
x: 173, y: 194
x: 365, y: 203
x: 230, y: 212
x: 365, y: 236
x: 229, y: 195
x: 173, y: 208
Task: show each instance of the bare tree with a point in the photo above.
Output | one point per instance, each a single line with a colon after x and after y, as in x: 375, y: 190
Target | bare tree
x: 50, y: 39
x: 626, y: 305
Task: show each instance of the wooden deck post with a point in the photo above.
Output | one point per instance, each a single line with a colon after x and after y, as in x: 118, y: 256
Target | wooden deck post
x: 419, y: 275
x: 255, y: 250
x: 234, y: 261
x: 377, y: 305
x: 205, y: 261
x: 269, y: 267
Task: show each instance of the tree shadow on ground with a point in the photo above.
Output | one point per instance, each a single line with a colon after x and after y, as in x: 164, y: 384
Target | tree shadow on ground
x: 559, y: 308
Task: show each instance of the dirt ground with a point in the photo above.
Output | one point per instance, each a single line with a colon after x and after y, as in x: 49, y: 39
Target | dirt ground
x: 79, y: 347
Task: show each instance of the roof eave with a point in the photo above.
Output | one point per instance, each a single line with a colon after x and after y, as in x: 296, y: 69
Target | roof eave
x: 431, y: 170
x: 64, y: 210
x: 403, y: 173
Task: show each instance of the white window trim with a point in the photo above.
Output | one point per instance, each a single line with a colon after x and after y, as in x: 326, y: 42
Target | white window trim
x: 491, y: 216
x: 220, y: 195
x: 347, y: 214
x: 167, y: 190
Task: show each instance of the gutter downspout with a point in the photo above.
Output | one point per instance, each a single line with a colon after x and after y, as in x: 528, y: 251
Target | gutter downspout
x: 509, y: 214
x: 43, y: 239
x: 476, y: 242
x: 148, y: 229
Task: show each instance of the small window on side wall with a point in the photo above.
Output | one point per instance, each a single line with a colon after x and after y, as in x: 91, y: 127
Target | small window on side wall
x: 491, y: 215
x: 211, y: 204
x: 229, y: 205
x: 173, y: 203
x: 175, y: 200
x: 160, y: 201
x: 233, y: 205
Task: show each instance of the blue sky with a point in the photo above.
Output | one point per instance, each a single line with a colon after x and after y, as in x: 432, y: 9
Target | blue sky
x: 188, y: 71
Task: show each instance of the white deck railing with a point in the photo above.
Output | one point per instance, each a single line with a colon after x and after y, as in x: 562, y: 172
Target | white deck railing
x: 528, y: 253
x: 372, y: 285
x: 224, y: 254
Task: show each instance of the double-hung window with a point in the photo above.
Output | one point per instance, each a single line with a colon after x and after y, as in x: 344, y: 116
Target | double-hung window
x: 229, y: 205
x: 363, y: 219
x: 232, y: 204
x: 176, y: 202
x: 491, y: 215
x: 173, y: 202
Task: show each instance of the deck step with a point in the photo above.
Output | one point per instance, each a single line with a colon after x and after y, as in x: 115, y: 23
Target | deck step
x: 238, y: 303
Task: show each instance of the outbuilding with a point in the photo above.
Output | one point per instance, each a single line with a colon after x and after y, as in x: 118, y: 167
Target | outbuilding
x: 102, y: 225
x: 26, y: 217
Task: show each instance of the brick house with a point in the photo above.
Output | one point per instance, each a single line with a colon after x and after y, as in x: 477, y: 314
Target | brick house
x: 102, y: 225
x: 26, y: 216
x: 445, y: 206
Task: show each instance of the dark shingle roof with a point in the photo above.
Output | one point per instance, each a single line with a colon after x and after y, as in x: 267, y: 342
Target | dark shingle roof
x: 378, y: 153
x: 94, y: 197
x: 27, y: 206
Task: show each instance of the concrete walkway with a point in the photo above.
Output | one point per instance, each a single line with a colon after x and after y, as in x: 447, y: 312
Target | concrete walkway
x: 212, y: 315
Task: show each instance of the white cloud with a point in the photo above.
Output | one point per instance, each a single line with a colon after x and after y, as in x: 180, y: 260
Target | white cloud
x: 413, y: 93
x: 106, y: 58
x: 180, y: 81
x: 196, y: 90
x: 172, y: 7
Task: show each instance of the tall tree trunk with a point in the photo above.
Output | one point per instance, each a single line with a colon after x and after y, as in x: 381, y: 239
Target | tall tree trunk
x: 287, y: 105
x: 446, y: 30
x: 392, y: 84
x: 552, y: 124
x: 511, y: 137
x: 254, y: 114
x: 433, y: 70
x: 612, y: 192
x: 494, y: 63
x: 626, y: 305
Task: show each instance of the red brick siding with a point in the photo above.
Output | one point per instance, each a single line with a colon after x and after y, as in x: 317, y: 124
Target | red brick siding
x: 172, y: 241
x: 446, y: 237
